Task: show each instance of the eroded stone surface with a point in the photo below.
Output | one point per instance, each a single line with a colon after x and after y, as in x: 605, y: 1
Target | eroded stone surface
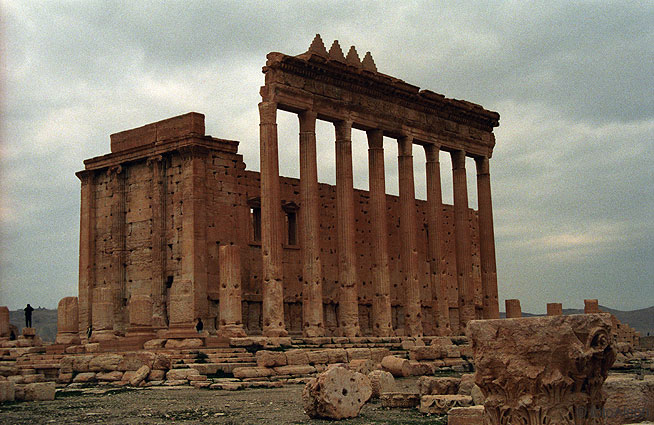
x: 337, y: 393
x: 381, y: 382
x: 535, y: 370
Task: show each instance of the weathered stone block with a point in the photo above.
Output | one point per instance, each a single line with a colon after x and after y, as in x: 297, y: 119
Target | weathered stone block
x: 7, y: 391
x: 40, y: 391
x: 396, y: 365
x: 139, y: 375
x: 402, y: 400
x: 432, y: 385
x: 381, y: 382
x: 270, y: 358
x: 472, y: 415
x: 337, y: 393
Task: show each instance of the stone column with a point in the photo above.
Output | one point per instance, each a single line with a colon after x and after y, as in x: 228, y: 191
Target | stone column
x: 409, y: 253
x: 68, y: 321
x: 117, y: 273
x: 462, y: 240
x: 86, y: 251
x: 312, y: 314
x: 591, y: 306
x: 554, y: 309
x: 381, y: 303
x: 491, y: 307
x: 348, y: 311
x: 103, y: 314
x: 513, y: 309
x: 229, y: 292
x: 158, y: 261
x: 440, y: 303
x: 5, y: 330
x: 543, y: 370
x: 271, y: 224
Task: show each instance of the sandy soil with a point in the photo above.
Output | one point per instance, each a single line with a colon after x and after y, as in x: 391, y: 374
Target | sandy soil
x: 184, y: 405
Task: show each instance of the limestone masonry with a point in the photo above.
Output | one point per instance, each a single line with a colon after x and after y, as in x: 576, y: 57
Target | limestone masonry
x: 160, y: 210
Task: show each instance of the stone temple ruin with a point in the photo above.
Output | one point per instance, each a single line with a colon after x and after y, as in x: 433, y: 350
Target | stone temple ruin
x: 175, y: 229
x: 195, y: 271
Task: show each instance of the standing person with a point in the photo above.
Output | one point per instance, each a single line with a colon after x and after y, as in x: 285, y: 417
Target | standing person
x: 28, y: 316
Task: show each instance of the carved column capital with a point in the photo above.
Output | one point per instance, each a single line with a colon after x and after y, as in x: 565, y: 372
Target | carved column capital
x: 154, y: 160
x: 267, y: 113
x: 432, y: 153
x: 307, y: 121
x: 482, y: 165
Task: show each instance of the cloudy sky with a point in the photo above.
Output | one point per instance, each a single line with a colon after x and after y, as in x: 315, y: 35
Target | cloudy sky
x: 573, y: 82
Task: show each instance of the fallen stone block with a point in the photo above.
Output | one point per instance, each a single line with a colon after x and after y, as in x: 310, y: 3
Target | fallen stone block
x: 40, y: 391
x: 466, y: 384
x: 7, y: 391
x: 473, y: 415
x: 381, y: 382
x: 105, y: 362
x: 85, y: 377
x: 139, y: 376
x: 421, y: 368
x: 115, y: 375
x: 432, y: 385
x: 441, y: 404
x: 270, y: 358
x: 295, y: 370
x: 364, y: 366
x: 628, y: 399
x: 154, y: 343
x: 180, y: 374
x: 156, y: 375
x: 337, y: 393
x: 184, y: 343
x: 396, y: 365
x: 401, y: 400
x: 252, y: 372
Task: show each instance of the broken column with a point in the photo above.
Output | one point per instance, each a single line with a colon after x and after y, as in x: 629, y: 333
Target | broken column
x: 229, y: 292
x: 337, y: 393
x: 381, y: 303
x: 440, y: 303
x: 591, y: 306
x: 103, y: 314
x: 554, y: 309
x: 67, y: 321
x: 4, y: 322
x: 513, y: 309
x: 271, y: 224
x: 542, y: 369
x: 312, y: 310
x: 348, y: 303
x: 409, y: 253
x: 462, y: 241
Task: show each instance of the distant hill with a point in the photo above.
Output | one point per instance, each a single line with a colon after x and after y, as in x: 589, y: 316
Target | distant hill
x: 43, y: 320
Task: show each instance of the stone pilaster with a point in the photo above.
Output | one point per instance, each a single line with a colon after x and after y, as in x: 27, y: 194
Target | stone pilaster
x: 86, y: 251
x: 440, y: 303
x: 271, y: 224
x: 462, y: 240
x: 491, y: 307
x: 68, y: 321
x: 312, y: 309
x: 193, y: 278
x: 347, y: 270
x: 229, y: 292
x: 543, y: 370
x: 409, y: 253
x: 381, y: 303
x: 158, y: 261
x: 117, y: 274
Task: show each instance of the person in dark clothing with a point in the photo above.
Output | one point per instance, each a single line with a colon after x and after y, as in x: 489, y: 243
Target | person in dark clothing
x: 28, y: 315
x: 199, y: 326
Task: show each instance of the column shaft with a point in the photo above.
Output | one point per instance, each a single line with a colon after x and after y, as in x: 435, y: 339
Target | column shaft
x: 271, y: 224
x: 231, y: 320
x: 381, y: 303
x: 86, y: 251
x: 491, y: 308
x: 158, y: 187
x: 462, y: 240
x: 347, y: 271
x: 409, y: 253
x: 312, y: 310
x: 440, y: 303
x: 118, y: 240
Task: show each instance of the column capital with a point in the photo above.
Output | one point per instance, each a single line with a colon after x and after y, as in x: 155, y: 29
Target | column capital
x: 375, y: 139
x: 156, y: 159
x: 307, y: 121
x: 458, y: 159
x: 482, y: 165
x: 343, y: 130
x: 405, y: 145
x: 268, y: 112
x: 432, y: 152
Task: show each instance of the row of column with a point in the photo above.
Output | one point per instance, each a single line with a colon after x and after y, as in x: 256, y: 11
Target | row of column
x: 273, y: 300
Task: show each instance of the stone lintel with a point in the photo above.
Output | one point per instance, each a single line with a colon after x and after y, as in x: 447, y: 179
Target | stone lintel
x: 191, y: 124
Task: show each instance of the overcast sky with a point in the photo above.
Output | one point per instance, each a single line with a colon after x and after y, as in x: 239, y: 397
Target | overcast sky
x: 573, y: 83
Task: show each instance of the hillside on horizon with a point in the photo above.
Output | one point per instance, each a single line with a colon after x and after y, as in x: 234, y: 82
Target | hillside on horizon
x: 45, y: 320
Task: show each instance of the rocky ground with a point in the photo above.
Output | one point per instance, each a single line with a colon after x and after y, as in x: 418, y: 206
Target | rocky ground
x: 184, y: 405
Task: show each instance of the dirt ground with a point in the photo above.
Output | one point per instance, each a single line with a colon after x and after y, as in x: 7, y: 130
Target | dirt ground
x: 184, y: 405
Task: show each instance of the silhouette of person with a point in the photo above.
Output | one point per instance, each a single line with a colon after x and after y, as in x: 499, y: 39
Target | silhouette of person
x: 199, y: 326
x: 28, y: 315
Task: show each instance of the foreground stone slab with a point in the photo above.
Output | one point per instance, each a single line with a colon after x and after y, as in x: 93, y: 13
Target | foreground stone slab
x: 542, y: 370
x: 39, y: 391
x: 7, y: 391
x: 628, y: 399
x: 337, y: 393
x: 441, y: 404
x: 473, y: 415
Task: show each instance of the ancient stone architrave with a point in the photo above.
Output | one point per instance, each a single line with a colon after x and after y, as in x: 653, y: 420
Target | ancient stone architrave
x: 513, y: 309
x: 543, y: 369
x: 554, y: 309
x: 68, y: 321
x: 315, y: 259
x: 231, y: 324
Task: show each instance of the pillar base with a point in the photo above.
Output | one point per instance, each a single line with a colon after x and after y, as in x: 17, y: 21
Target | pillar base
x: 68, y: 339
x: 275, y: 332
x: 103, y: 335
x: 349, y: 331
x: 313, y: 331
x: 231, y: 331
x: 139, y: 331
x: 182, y: 332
